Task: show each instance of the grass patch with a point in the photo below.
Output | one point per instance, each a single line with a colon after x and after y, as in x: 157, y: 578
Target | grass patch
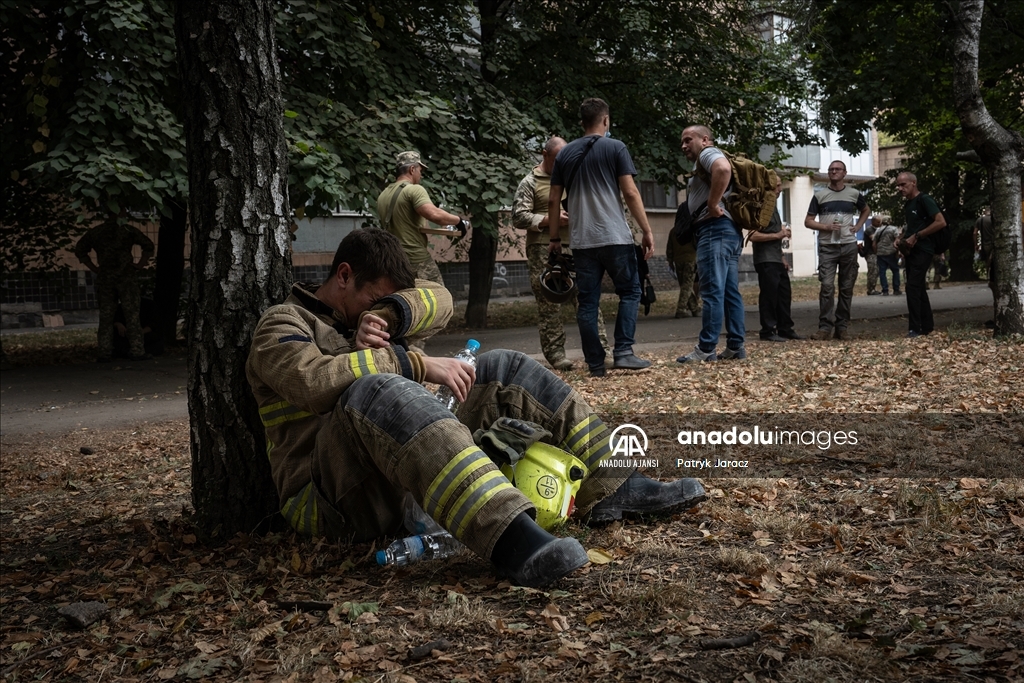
x: 59, y: 347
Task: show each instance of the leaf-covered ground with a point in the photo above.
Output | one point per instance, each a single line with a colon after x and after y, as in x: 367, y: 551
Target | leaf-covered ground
x: 901, y: 560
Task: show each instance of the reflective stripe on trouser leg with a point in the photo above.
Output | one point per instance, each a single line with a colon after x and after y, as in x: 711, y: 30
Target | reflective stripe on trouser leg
x: 511, y: 384
x: 387, y: 435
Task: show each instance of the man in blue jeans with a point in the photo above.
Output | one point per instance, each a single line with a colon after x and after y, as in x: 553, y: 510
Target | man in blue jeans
x: 719, y: 244
x: 596, y: 173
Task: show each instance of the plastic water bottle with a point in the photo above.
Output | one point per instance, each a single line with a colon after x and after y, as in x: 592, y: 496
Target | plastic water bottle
x: 466, y: 355
x: 406, y: 551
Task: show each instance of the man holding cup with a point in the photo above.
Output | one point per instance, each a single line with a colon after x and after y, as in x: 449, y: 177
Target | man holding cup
x: 837, y: 212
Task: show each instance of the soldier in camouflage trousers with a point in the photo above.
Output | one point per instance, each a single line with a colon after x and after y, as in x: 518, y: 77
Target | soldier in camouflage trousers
x: 350, y: 427
x: 530, y: 213
x: 682, y: 260
x: 115, y: 269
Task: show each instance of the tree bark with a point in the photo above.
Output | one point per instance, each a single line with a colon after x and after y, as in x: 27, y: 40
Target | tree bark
x: 238, y: 204
x: 1001, y: 152
x: 170, y: 267
x: 482, y: 252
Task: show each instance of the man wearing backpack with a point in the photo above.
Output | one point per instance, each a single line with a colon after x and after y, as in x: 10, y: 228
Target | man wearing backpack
x: 924, y: 218
x: 837, y: 205
x: 404, y: 208
x: 719, y: 243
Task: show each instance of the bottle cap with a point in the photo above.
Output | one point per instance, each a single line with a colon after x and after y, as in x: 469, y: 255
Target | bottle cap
x: 473, y: 345
x: 382, y: 558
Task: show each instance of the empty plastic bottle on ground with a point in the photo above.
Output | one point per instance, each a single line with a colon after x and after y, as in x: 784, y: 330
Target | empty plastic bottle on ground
x: 466, y: 355
x: 416, y: 548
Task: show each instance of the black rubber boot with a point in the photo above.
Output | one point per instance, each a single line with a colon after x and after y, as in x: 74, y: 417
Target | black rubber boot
x: 641, y: 496
x: 530, y: 556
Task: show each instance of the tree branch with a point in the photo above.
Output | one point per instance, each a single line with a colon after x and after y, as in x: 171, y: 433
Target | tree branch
x: 969, y: 155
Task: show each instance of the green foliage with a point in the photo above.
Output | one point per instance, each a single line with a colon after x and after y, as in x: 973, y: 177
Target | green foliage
x: 473, y: 86
x: 661, y: 66
x: 891, y: 61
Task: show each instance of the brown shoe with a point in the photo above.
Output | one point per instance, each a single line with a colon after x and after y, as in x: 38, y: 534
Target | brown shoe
x: 842, y: 335
x: 561, y: 364
x: 822, y: 335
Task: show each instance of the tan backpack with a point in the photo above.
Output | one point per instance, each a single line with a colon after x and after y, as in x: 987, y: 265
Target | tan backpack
x: 752, y: 200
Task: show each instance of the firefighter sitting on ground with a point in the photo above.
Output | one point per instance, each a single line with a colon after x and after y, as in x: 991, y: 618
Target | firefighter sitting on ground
x: 350, y: 427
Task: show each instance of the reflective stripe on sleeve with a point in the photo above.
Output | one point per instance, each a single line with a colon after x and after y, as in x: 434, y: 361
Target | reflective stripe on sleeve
x: 283, y: 411
x: 362, y: 363
x: 430, y: 301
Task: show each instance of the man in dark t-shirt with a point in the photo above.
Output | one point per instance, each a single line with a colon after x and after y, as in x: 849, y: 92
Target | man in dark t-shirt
x: 776, y: 293
x: 923, y: 219
x: 597, y: 173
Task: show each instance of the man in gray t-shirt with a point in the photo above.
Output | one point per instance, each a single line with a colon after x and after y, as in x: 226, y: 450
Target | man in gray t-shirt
x: 596, y: 173
x: 719, y: 244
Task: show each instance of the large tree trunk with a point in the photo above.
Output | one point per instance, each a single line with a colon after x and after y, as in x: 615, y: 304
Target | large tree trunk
x: 482, y: 252
x: 238, y: 201
x: 170, y: 266
x: 961, y: 252
x: 1001, y: 152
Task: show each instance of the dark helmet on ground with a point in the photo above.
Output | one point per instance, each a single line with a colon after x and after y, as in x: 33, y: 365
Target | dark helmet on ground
x: 557, y: 281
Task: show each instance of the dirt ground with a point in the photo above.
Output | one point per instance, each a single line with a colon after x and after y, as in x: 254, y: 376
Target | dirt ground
x: 899, y: 558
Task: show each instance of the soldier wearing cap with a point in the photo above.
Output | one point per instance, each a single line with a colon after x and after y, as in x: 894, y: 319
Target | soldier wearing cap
x: 530, y: 214
x: 404, y: 208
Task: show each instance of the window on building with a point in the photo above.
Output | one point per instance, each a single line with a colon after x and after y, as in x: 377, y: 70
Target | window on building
x: 783, y: 205
x: 655, y: 196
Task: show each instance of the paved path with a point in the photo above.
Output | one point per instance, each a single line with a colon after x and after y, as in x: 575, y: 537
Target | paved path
x: 58, y: 399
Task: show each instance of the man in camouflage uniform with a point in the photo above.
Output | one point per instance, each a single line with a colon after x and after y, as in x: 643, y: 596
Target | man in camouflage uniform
x: 530, y: 213
x: 682, y: 260
x: 404, y: 208
x: 115, y: 269
x: 350, y: 427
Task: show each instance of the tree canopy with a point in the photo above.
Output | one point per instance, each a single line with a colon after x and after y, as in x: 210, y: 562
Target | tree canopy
x: 893, y: 63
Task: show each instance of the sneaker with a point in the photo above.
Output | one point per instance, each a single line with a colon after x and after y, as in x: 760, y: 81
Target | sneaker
x: 631, y: 362
x: 562, y: 364
x: 842, y: 335
x: 874, y: 293
x: 823, y: 335
x: 772, y: 338
x: 914, y: 333
x: 733, y: 354
x: 641, y: 496
x: 697, y: 356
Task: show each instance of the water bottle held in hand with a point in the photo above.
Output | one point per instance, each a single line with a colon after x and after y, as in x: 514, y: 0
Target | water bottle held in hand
x: 413, y: 549
x: 466, y: 355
